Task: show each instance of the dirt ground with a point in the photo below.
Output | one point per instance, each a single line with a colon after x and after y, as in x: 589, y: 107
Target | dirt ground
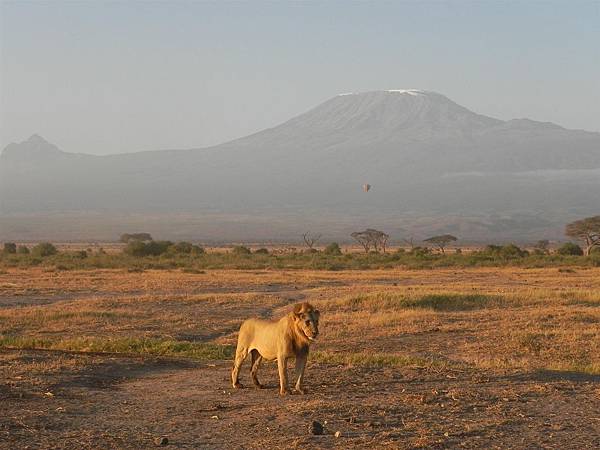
x: 493, y: 358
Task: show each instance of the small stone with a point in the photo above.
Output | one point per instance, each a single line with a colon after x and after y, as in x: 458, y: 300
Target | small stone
x: 315, y: 428
x: 338, y: 434
x: 162, y: 440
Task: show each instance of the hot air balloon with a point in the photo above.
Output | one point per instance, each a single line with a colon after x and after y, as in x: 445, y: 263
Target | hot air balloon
x: 366, y: 187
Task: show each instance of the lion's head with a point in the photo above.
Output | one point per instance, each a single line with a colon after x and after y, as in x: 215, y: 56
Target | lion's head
x: 306, y: 318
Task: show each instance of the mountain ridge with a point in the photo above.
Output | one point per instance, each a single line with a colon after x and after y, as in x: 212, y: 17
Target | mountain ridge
x: 418, y: 149
x: 412, y: 92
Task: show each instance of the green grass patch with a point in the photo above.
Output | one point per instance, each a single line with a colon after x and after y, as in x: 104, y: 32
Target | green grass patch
x: 577, y: 367
x: 370, y: 359
x: 136, y: 346
x: 437, y: 302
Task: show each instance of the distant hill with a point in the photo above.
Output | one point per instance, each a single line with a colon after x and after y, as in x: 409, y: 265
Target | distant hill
x: 422, y: 153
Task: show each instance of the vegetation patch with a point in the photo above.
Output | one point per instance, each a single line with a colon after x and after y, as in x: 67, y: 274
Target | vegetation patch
x: 135, y: 346
x: 436, y: 302
x: 368, y: 359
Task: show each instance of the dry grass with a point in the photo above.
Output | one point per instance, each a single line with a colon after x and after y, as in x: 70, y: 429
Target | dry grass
x: 509, y: 319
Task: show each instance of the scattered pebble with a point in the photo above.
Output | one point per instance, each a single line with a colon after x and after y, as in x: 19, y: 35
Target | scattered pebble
x: 315, y: 428
x: 162, y: 440
x: 338, y: 434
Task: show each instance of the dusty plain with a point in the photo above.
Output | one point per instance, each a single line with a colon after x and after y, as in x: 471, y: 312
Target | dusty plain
x: 445, y: 358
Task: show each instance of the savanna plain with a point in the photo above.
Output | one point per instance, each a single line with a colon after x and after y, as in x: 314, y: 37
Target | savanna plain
x: 433, y: 357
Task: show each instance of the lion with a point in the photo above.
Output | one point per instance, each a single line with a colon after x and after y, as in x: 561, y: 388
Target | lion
x: 283, y: 339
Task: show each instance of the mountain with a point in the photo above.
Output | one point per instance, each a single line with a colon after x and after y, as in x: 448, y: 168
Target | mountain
x: 422, y: 153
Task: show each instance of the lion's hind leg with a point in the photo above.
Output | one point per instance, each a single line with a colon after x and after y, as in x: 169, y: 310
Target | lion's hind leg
x: 240, y: 355
x: 256, y: 360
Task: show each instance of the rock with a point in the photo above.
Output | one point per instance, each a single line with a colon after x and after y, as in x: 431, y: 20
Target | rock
x: 315, y: 428
x: 162, y: 440
x: 338, y: 434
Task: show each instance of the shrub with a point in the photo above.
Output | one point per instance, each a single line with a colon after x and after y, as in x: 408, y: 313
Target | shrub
x: 44, y: 249
x: 595, y: 251
x: 197, y: 250
x: 570, y: 248
x: 241, y: 250
x: 81, y: 254
x: 152, y: 248
x: 333, y: 249
x: 10, y: 247
x: 508, y: 251
x: 182, y: 247
x: 512, y: 251
x: 23, y: 250
x: 420, y: 251
x: 261, y: 251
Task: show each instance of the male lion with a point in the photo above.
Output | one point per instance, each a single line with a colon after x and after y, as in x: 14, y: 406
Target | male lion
x: 288, y: 337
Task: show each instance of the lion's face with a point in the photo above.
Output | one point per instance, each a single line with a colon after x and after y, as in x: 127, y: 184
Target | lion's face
x: 307, y: 320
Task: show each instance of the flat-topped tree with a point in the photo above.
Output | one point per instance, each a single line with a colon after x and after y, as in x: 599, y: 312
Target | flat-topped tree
x: 441, y: 241
x: 371, y: 238
x: 586, y: 230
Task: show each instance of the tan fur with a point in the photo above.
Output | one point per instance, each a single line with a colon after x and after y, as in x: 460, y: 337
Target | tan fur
x: 289, y: 337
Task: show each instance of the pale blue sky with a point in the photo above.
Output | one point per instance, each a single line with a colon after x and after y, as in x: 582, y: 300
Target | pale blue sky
x: 109, y: 77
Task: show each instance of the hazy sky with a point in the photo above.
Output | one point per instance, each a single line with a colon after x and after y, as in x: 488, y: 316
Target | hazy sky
x: 110, y: 77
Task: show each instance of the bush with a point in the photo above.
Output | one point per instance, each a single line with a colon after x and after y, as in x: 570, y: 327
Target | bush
x: 182, y: 247
x: 420, y: 251
x: 197, y: 250
x: 44, y: 249
x: 81, y: 254
x: 152, y: 248
x: 512, y: 251
x: 570, y: 249
x: 508, y: 251
x: 241, y: 250
x: 10, y: 247
x: 261, y: 251
x: 595, y: 251
x: 333, y: 249
x: 23, y: 250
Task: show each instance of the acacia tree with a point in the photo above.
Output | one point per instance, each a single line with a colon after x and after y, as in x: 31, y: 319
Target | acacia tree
x: 310, y: 239
x: 371, y: 238
x: 586, y: 230
x: 441, y: 241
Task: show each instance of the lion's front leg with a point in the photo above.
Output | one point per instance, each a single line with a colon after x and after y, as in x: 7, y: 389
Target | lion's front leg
x: 283, y: 381
x: 299, y: 372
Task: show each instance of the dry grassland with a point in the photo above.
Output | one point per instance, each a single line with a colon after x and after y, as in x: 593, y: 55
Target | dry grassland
x: 445, y: 358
